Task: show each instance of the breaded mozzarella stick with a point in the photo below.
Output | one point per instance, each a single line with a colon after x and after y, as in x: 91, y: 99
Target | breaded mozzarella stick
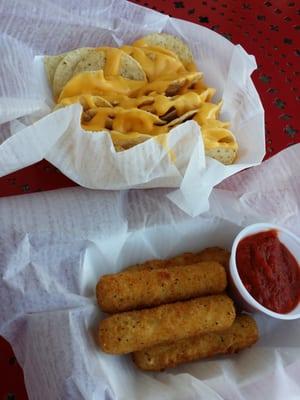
x: 243, y: 333
x: 137, y: 289
x: 135, y: 330
x: 216, y: 254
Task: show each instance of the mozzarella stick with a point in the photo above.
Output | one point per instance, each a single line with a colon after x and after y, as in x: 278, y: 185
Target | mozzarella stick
x: 135, y: 330
x: 243, y: 333
x: 182, y: 259
x: 210, y: 254
x: 136, y: 289
x: 216, y: 254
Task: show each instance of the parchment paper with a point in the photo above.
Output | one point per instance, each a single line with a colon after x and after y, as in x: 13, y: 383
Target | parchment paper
x: 29, y: 133
x: 55, y: 245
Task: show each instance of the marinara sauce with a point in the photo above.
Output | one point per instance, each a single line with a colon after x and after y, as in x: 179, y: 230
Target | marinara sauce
x: 269, y: 271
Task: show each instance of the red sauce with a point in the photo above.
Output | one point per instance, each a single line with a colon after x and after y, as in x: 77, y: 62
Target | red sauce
x: 269, y: 271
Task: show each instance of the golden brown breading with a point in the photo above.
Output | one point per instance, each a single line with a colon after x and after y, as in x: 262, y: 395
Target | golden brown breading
x: 135, y: 330
x: 215, y: 254
x: 143, y: 288
x: 182, y: 259
x: 210, y: 254
x: 243, y: 333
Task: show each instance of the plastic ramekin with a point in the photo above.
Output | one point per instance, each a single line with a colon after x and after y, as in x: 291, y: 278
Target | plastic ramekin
x: 240, y: 293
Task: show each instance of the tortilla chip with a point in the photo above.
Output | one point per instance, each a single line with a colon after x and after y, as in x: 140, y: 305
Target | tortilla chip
x: 170, y: 115
x: 184, y: 81
x: 124, y: 101
x: 101, y: 102
x: 168, y: 42
x: 182, y: 118
x: 131, y: 69
x: 207, y: 111
x: 95, y: 60
x: 156, y: 63
x: 51, y: 63
x: 131, y: 120
x: 169, y: 87
x: 125, y: 141
x: 226, y: 156
x: 123, y: 120
x: 219, y: 142
x: 65, y: 68
x: 92, y: 61
x: 87, y: 102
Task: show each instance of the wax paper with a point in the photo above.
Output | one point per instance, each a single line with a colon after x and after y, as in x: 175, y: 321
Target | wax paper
x: 30, y: 132
x: 55, y: 245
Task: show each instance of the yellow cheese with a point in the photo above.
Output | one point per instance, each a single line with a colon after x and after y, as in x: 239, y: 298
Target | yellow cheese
x: 94, y: 83
x: 123, y: 111
x: 155, y: 63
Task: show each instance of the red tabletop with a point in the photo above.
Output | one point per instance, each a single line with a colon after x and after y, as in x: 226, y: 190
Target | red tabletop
x: 268, y: 29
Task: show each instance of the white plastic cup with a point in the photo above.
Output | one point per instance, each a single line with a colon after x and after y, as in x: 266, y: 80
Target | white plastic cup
x: 239, y: 291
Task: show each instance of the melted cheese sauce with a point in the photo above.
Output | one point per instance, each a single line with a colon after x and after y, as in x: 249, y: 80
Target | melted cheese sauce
x: 155, y: 63
x: 132, y: 111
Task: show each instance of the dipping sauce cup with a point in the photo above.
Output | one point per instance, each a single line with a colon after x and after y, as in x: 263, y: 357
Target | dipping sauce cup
x: 290, y: 257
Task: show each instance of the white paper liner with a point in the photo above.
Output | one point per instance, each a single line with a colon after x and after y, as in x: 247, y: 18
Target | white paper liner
x: 55, y: 245
x: 90, y: 159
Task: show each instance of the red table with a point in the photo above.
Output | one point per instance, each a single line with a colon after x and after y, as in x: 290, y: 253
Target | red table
x: 268, y: 29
